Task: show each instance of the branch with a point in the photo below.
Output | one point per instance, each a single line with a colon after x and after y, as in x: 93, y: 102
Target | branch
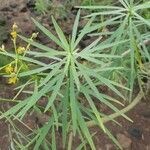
x: 145, y: 42
x: 117, y: 114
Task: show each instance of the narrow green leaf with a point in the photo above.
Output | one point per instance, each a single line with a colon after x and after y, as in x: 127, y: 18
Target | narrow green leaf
x: 55, y: 92
x: 95, y: 110
x: 53, y: 139
x: 93, y: 44
x: 113, y: 138
x: 24, y: 58
x: 61, y: 35
x: 73, y: 103
x: 99, y: 7
x: 85, y: 130
x: 52, y: 73
x: 14, y: 109
x: 48, y: 33
x: 43, y: 132
x: 35, y: 71
x: 83, y: 32
x: 40, y: 46
x: 113, y: 12
x: 123, y: 2
x: 142, y: 6
x: 142, y: 19
x: 74, y: 31
x: 75, y: 74
x: 65, y: 107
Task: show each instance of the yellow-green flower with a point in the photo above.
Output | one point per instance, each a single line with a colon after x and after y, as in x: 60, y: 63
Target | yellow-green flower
x: 14, y: 31
x: 20, y: 50
x: 14, y: 34
x: 12, y: 80
x: 2, y: 48
x: 9, y: 69
x: 34, y: 35
x: 14, y: 27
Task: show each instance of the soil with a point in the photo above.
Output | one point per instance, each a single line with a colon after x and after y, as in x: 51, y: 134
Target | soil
x: 132, y: 136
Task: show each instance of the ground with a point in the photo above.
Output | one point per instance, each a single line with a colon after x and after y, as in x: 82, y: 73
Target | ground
x: 132, y: 136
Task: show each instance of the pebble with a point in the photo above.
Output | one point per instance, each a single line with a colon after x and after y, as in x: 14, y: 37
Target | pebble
x: 13, y: 5
x: 136, y: 133
x: 124, y: 141
x: 146, y: 114
x: 2, y: 22
x: 109, y: 146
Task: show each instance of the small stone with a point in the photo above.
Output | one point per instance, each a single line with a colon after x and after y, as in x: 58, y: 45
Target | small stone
x: 6, y: 9
x: 124, y: 141
x: 109, y: 146
x: 13, y: 5
x: 31, y: 4
x: 146, y: 114
x: 136, y: 133
x: 24, y: 9
x: 2, y: 22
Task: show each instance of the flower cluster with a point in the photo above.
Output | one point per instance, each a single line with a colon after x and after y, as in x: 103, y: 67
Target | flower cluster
x: 13, y: 68
x: 10, y: 70
x: 20, y: 50
x: 14, y: 31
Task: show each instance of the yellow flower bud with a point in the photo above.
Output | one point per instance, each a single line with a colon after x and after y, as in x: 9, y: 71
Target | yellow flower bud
x: 14, y: 31
x: 20, y: 50
x: 9, y: 69
x: 34, y: 35
x: 12, y: 80
x: 14, y: 34
x: 14, y: 27
x: 2, y: 48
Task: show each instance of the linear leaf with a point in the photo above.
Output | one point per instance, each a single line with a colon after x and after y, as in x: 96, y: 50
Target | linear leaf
x: 35, y: 71
x: 61, y: 35
x: 43, y: 132
x: 74, y: 31
x: 48, y: 33
x: 24, y: 58
x: 40, y: 46
x: 65, y: 107
x: 142, y: 19
x: 73, y: 103
x: 51, y: 74
x: 55, y: 92
x: 85, y: 130
x: 75, y: 74
x: 94, y: 110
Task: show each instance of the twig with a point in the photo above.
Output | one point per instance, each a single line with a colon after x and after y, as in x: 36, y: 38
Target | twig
x: 146, y: 42
x: 70, y: 141
x: 117, y: 114
x: 9, y: 100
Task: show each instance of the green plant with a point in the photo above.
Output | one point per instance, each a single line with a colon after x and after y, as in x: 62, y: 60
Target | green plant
x: 68, y: 83
x: 130, y: 24
x: 87, y: 2
x: 72, y: 82
x: 58, y: 9
x: 14, y: 65
x: 42, y: 5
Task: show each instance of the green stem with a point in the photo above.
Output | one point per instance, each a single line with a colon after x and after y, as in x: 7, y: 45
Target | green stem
x: 9, y: 100
x: 117, y: 114
x: 70, y: 141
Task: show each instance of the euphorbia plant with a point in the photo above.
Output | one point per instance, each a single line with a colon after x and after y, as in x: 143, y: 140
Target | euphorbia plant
x: 131, y: 23
x: 71, y: 79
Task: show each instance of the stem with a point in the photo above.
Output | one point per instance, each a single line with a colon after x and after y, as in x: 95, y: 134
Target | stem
x: 9, y: 100
x: 70, y: 141
x: 146, y: 42
x: 115, y: 115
